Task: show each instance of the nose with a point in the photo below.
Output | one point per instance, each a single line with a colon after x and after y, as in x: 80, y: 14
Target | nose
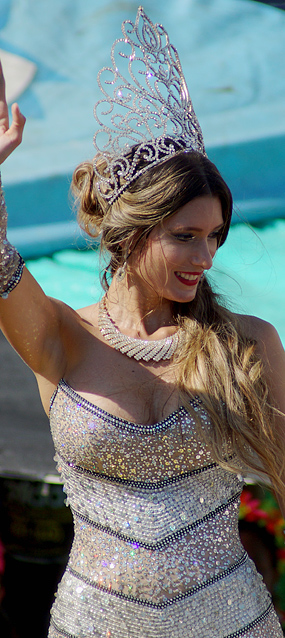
x: 201, y: 255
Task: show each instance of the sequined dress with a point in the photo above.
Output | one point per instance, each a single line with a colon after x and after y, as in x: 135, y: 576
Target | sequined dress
x: 156, y: 551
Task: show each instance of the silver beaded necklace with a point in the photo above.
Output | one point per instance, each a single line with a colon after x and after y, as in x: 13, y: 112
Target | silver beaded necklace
x: 158, y: 350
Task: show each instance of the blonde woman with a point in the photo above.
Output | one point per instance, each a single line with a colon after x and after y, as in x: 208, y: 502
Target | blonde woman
x: 160, y: 399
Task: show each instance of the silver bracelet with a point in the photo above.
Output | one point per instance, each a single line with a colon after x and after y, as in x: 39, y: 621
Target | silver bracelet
x: 15, y: 278
x: 11, y: 263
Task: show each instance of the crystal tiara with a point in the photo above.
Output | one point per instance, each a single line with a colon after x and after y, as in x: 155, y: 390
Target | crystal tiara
x: 146, y: 114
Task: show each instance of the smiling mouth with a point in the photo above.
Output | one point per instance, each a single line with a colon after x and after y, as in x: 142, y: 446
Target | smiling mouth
x: 188, y: 278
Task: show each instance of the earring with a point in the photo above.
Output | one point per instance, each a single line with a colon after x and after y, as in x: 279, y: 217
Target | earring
x: 121, y: 272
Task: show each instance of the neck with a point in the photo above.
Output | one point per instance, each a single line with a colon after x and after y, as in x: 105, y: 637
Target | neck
x: 138, y: 314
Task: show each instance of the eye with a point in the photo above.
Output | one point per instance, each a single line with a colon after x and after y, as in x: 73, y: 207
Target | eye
x: 183, y: 236
x: 215, y: 235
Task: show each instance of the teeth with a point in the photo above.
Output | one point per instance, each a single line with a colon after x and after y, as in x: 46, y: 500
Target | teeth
x: 186, y: 275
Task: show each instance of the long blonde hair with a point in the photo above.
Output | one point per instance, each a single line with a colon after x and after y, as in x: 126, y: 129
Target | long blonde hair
x: 218, y: 357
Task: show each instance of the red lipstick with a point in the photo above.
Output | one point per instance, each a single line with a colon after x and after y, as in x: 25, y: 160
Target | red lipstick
x: 191, y: 281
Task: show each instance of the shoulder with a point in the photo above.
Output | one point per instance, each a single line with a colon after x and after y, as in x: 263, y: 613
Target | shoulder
x: 83, y: 317
x: 258, y: 329
x: 269, y: 350
x: 87, y: 311
x: 89, y: 314
x: 76, y: 328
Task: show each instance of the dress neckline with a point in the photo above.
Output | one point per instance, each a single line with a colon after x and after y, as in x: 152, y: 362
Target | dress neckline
x: 92, y: 407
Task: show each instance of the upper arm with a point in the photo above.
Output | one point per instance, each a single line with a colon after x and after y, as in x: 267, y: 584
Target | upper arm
x: 271, y: 352
x: 39, y: 328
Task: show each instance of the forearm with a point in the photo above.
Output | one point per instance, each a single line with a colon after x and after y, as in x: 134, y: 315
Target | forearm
x: 30, y: 320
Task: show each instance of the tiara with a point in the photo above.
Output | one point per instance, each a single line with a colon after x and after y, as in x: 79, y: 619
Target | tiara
x: 146, y: 114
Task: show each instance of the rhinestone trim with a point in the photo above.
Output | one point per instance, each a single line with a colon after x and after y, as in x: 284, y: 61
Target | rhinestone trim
x: 168, y: 539
x: 11, y: 263
x: 251, y: 625
x: 168, y: 603
x: 61, y: 631
x: 140, y: 484
x: 117, y: 421
x: 236, y: 634
x: 15, y: 279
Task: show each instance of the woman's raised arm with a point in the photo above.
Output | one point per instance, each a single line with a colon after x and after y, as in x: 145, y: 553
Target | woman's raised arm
x: 35, y: 325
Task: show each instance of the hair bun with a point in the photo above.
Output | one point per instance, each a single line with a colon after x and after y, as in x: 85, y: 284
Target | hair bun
x: 90, y: 211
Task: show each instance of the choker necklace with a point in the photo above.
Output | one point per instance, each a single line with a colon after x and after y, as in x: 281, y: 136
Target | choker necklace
x: 137, y: 348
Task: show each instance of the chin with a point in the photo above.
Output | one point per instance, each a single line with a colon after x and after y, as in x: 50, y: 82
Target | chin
x: 181, y: 297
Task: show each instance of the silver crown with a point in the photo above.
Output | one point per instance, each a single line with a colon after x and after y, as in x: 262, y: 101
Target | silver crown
x: 144, y: 119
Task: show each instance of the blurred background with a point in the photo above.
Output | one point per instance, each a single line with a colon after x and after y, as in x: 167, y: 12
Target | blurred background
x: 232, y: 53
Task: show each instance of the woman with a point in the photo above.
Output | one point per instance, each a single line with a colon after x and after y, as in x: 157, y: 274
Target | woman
x: 159, y: 400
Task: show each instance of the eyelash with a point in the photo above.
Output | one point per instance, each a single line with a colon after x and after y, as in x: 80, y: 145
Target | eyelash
x: 189, y: 237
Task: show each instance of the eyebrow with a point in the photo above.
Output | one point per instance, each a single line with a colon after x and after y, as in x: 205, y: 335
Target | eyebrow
x: 189, y: 228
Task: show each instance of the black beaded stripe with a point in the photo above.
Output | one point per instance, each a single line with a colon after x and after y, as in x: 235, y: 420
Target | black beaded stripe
x: 236, y: 634
x: 146, y: 485
x: 168, y: 539
x: 118, y: 422
x: 251, y: 625
x: 62, y: 631
x: 148, y: 603
x: 15, y: 279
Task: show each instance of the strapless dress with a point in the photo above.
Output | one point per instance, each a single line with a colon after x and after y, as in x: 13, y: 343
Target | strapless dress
x: 156, y: 550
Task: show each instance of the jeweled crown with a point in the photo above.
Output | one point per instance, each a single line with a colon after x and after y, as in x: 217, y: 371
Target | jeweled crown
x: 146, y: 114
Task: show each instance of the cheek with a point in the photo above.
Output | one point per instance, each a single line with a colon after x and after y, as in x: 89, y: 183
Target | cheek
x: 177, y: 255
x: 151, y: 263
x: 213, y: 249
x: 159, y: 258
x: 172, y: 254
x: 155, y: 265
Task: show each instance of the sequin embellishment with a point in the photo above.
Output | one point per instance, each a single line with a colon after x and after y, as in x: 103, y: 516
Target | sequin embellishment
x: 156, y: 550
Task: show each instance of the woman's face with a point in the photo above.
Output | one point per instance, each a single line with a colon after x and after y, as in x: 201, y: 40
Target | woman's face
x: 178, y: 252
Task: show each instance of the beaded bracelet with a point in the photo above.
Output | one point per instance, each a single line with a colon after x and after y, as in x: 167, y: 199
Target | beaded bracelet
x: 15, y: 279
x: 11, y: 263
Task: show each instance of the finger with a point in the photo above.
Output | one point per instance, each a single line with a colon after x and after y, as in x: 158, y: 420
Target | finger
x: 15, y: 132
x: 12, y: 137
x: 4, y: 116
x: 2, y: 83
x: 18, y: 117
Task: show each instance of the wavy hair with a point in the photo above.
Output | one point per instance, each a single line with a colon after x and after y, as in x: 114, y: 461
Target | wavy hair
x: 218, y: 360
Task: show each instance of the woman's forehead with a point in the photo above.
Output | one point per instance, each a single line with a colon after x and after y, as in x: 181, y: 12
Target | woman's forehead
x: 197, y: 213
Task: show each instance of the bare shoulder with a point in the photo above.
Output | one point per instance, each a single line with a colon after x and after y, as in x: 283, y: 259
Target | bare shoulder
x: 74, y: 320
x: 263, y: 332
x: 78, y: 329
x: 89, y: 314
x: 268, y: 347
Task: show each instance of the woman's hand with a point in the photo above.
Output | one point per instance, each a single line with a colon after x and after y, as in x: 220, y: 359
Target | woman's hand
x: 10, y: 137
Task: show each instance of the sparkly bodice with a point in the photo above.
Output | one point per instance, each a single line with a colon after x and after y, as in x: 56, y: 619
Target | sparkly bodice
x: 156, y: 534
